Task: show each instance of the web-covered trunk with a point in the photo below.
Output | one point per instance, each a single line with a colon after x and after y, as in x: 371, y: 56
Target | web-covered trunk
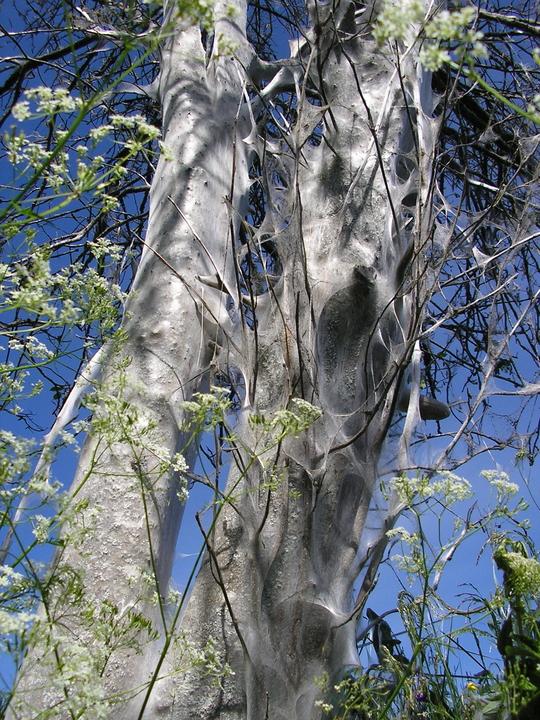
x: 312, y: 301
x: 325, y: 321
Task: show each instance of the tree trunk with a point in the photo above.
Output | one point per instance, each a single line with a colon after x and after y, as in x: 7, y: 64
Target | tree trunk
x: 275, y: 593
x: 276, y: 590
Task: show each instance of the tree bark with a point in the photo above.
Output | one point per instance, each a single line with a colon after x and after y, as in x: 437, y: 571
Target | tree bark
x: 275, y: 592
x: 276, y: 589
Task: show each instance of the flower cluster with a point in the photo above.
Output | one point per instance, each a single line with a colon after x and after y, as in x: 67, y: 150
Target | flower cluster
x: 47, y: 101
x: 445, y: 33
x: 68, y: 296
x: 501, y: 482
x: 450, y: 487
x: 450, y: 30
x: 117, y: 421
x: 207, y: 409
x: 395, y: 20
x: 71, y: 172
x: 292, y: 421
x: 522, y: 574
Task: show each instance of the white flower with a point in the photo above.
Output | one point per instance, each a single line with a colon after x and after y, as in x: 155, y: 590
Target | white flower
x: 501, y: 482
x: 400, y: 533
x: 14, y: 622
x: 452, y: 487
x: 80, y: 674
x: 395, y: 19
x: 21, y: 111
x: 8, y: 576
x: 307, y: 412
x: 33, y: 346
x: 41, y: 528
x: 97, y: 134
x: 178, y: 463
x: 51, y: 101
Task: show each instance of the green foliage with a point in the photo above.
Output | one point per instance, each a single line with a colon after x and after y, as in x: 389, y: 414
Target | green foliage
x: 427, y: 683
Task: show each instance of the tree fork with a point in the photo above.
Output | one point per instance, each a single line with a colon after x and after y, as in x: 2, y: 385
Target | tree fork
x: 275, y: 590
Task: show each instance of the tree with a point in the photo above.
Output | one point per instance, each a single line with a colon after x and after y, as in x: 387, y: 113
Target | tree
x: 333, y: 240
